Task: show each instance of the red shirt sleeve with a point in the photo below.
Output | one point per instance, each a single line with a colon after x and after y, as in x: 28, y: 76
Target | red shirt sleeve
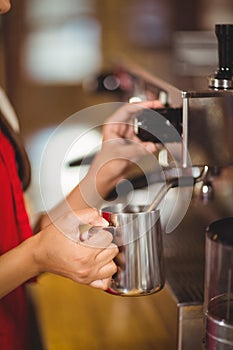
x: 14, y: 228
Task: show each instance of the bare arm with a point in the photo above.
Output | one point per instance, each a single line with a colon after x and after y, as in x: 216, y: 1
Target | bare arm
x: 17, y: 266
x: 89, y: 262
x: 119, y: 148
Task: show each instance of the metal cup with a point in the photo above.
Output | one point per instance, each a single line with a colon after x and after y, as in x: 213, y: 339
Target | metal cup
x: 218, y: 301
x: 140, y: 262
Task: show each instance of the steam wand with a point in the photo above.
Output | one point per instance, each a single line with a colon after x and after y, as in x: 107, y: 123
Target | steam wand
x: 182, y: 181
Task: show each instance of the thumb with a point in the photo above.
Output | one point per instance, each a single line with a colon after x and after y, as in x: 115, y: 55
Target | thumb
x: 75, y: 222
x: 92, y: 217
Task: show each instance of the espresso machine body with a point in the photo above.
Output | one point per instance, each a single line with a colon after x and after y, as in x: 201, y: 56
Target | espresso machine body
x: 204, y: 122
x: 206, y: 142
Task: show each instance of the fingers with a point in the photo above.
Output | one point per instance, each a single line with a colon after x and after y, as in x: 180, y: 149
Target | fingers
x: 99, y: 240
x: 105, y: 275
x: 91, y: 216
x: 107, y: 267
x: 149, y: 146
x: 101, y: 284
x: 117, y: 148
x: 120, y: 124
x: 84, y: 262
x: 134, y: 150
x: 151, y: 104
x: 104, y: 250
x: 124, y: 113
x: 73, y: 223
x: 105, y: 260
x: 107, y: 254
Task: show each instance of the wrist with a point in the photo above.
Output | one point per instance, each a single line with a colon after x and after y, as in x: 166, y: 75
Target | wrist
x: 17, y: 266
x: 29, y: 248
x: 39, y: 253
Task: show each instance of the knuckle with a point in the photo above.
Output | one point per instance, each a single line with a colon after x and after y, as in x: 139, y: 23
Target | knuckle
x: 114, y: 268
x: 84, y: 261
x: 84, y: 275
x: 106, y: 283
x: 115, y: 249
x: 95, y: 215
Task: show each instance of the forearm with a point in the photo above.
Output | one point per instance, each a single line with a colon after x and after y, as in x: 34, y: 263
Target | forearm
x: 74, y: 201
x: 90, y: 193
x: 120, y: 149
x: 17, y: 266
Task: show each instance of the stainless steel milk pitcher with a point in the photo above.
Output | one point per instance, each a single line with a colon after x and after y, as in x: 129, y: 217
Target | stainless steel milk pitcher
x: 218, y: 297
x: 140, y: 262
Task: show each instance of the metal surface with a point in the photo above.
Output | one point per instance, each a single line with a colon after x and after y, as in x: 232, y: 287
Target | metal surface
x: 221, y: 83
x: 223, y: 77
x: 161, y: 194
x: 218, y: 297
x: 209, y: 126
x: 207, y: 139
x: 190, y: 325
x: 219, y: 332
x: 184, y: 251
x: 207, y: 119
x: 140, y: 260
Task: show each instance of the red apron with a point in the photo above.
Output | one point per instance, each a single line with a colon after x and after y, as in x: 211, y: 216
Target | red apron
x: 14, y: 228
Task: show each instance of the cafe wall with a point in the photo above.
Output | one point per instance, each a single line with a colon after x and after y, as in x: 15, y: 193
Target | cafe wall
x: 52, y: 48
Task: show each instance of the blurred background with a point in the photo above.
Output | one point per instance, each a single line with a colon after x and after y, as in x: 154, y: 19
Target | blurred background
x: 49, y: 48
x: 49, y: 53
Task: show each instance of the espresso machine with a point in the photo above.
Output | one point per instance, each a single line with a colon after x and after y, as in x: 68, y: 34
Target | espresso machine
x: 204, y: 120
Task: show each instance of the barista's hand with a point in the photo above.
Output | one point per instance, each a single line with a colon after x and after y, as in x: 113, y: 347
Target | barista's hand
x: 120, y: 123
x: 89, y: 262
x: 121, y: 148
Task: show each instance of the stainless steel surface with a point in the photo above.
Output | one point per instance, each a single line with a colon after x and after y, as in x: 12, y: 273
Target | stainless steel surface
x: 217, y: 83
x: 207, y: 143
x: 219, y: 333
x: 183, y: 178
x: 160, y: 195
x: 207, y: 118
x: 223, y: 77
x: 218, y: 297
x: 208, y: 126
x: 190, y: 326
x: 140, y: 260
x: 184, y: 251
x: 206, y: 138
